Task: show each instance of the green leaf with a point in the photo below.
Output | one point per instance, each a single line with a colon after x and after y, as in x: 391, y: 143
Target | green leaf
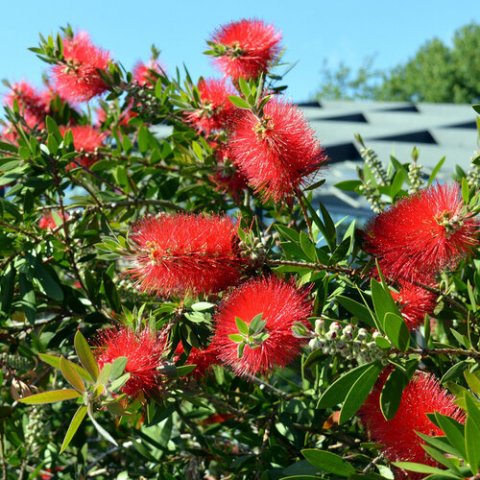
x: 85, y: 355
x: 454, y: 431
x: 241, y: 326
x: 315, y: 185
x: 328, y: 462
x: 397, y: 331
x: 52, y: 128
x: 308, y: 247
x: 239, y: 102
x: 244, y: 87
x: 201, y: 306
x: 383, y: 302
x: 236, y: 337
x: 348, y: 185
x: 104, y: 374
x: 71, y: 375
x: 46, y: 276
x: 50, y: 397
x: 473, y: 381
x: 339, y: 389
x: 54, y: 361
x: 435, y: 171
x: 440, y: 443
x: 419, y: 468
x: 392, y: 393
x: 184, y: 370
x: 99, y: 428
x: 118, y: 367
x: 119, y: 382
x: 330, y: 232
x: 143, y: 139
x: 301, y: 477
x: 359, y: 392
x: 257, y: 324
x: 472, y: 434
x: 355, y: 308
x: 73, y: 427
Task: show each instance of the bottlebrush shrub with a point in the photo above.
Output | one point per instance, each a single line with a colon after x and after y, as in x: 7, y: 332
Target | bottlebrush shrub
x: 205, y: 228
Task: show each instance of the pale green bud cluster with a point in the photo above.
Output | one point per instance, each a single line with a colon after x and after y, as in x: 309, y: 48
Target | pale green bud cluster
x: 373, y: 197
x: 348, y: 341
x: 415, y: 177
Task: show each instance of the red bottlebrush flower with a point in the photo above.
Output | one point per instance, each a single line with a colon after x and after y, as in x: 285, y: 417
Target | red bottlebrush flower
x: 86, y: 139
x: 227, y: 178
x: 422, y: 395
x: 9, y: 135
x: 184, y: 253
x: 216, y: 110
x: 281, y: 305
x: 217, y: 418
x: 145, y: 73
x: 78, y: 80
x: 414, y: 302
x: 202, y: 358
x: 275, y: 152
x: 143, y: 352
x: 47, y: 222
x: 422, y: 234
x: 246, y: 48
x: 31, y: 105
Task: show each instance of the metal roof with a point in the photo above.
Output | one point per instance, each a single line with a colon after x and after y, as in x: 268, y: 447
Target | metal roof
x: 389, y: 128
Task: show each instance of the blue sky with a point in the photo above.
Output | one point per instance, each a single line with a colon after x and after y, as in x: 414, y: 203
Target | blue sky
x: 313, y: 30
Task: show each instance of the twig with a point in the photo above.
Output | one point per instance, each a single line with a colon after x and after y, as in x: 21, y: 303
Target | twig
x: 262, y: 383
x: 314, y: 266
x: 425, y: 352
x: 301, y: 201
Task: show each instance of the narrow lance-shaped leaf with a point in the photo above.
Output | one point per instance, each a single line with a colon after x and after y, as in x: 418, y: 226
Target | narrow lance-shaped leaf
x: 359, y: 392
x: 85, y: 355
x: 54, y: 361
x: 99, y: 428
x: 73, y: 427
x: 50, y: 397
x: 71, y: 375
x: 328, y: 462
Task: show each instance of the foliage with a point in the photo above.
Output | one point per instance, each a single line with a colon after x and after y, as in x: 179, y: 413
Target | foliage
x: 72, y: 230
x: 436, y: 73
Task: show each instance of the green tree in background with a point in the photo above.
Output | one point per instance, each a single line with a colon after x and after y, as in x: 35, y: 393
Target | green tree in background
x: 436, y: 73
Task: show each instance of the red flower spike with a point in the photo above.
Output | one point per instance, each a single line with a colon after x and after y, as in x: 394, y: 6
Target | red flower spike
x: 184, y: 253
x: 32, y: 106
x: 281, y: 305
x: 216, y: 111
x: 227, y: 178
x: 248, y: 48
x: 414, y: 302
x: 86, y: 139
x: 143, y: 352
x: 276, y: 152
x: 202, y: 358
x: 143, y: 73
x: 47, y: 222
x: 422, y: 235
x: 78, y: 80
x: 397, y: 436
